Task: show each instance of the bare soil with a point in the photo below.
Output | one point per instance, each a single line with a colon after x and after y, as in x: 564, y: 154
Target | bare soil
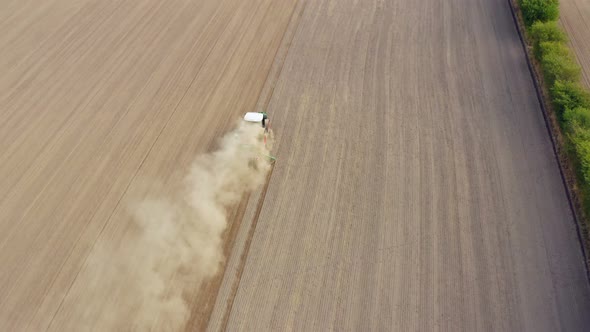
x: 415, y: 186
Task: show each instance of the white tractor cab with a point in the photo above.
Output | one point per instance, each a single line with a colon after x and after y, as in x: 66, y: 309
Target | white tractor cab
x: 258, y: 117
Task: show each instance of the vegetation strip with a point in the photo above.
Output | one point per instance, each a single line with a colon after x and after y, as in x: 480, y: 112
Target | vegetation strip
x: 564, y: 102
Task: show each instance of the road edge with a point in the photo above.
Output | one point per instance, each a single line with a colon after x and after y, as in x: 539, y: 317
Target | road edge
x: 563, y: 163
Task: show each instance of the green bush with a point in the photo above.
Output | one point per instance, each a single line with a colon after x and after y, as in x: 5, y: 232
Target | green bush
x: 558, y: 63
x: 576, y: 118
x: 577, y: 126
x: 546, y: 32
x: 580, y: 138
x: 569, y: 95
x: 539, y: 10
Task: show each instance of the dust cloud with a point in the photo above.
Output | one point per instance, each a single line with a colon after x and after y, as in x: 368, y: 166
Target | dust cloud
x: 177, y: 238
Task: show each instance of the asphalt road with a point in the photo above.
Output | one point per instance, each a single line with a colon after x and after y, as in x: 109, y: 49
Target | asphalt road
x: 416, y: 188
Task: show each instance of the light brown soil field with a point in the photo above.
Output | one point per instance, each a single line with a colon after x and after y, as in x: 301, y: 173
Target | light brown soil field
x: 101, y: 103
x: 416, y: 188
x: 575, y: 18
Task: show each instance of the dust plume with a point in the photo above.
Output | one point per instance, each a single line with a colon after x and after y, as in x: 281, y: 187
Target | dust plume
x: 177, y: 238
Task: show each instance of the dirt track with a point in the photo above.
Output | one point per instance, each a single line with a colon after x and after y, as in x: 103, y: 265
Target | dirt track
x: 575, y: 18
x: 415, y: 187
